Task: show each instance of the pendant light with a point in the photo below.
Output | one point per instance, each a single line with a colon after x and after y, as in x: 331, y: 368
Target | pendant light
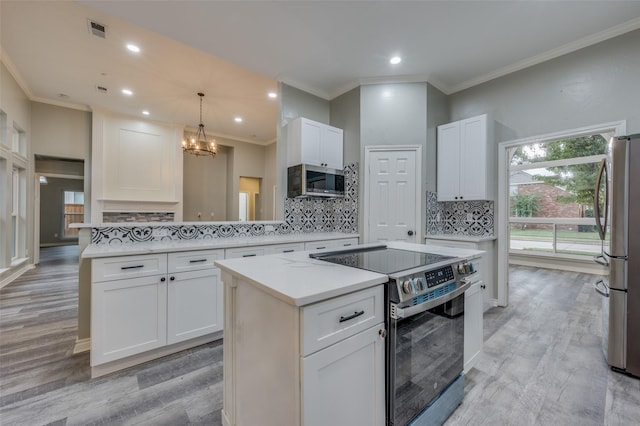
x: 200, y: 144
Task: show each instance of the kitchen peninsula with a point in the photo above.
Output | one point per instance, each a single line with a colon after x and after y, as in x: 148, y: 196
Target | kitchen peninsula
x: 304, y: 339
x: 154, y: 289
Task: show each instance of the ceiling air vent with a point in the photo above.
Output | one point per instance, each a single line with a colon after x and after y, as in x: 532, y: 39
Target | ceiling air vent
x: 97, y: 29
x: 101, y: 89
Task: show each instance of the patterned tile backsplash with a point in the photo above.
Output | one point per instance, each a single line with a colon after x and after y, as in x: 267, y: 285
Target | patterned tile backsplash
x: 470, y: 218
x: 302, y: 215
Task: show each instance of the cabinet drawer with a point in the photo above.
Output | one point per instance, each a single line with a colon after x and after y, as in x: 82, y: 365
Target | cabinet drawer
x: 123, y: 267
x: 345, y: 242
x: 284, y: 248
x: 193, y: 260
x: 245, y: 252
x: 333, y: 320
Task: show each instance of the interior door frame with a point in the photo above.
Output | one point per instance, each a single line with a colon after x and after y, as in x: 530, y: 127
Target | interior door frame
x: 36, y: 209
x: 502, y: 213
x: 368, y: 150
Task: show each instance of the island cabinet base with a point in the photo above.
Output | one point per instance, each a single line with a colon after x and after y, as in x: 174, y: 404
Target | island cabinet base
x: 273, y: 376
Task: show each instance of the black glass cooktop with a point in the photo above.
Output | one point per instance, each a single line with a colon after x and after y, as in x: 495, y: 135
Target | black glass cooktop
x: 382, y: 259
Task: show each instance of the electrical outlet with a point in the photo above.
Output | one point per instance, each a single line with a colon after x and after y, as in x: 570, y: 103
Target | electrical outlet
x: 469, y: 217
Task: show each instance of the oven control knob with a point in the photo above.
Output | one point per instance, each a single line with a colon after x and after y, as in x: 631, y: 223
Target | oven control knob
x: 407, y: 287
x: 461, y: 268
x: 421, y: 284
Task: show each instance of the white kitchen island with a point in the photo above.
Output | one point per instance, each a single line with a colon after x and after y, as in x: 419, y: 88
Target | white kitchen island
x: 304, y: 340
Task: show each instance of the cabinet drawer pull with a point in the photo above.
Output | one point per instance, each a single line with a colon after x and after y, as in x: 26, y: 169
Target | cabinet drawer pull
x: 132, y: 267
x: 350, y: 317
x: 288, y: 251
x: 198, y: 261
x: 248, y: 255
x: 320, y: 248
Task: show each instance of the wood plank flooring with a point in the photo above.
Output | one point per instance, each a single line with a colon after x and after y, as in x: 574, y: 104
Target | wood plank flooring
x: 542, y: 362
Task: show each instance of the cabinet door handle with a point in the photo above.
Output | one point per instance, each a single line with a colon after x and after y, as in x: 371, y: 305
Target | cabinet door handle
x: 172, y: 278
x: 198, y: 261
x: 350, y: 317
x: 132, y: 267
x: 248, y: 255
x: 163, y: 279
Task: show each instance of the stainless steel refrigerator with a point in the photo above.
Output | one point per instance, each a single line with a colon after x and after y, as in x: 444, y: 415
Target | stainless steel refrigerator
x: 617, y: 198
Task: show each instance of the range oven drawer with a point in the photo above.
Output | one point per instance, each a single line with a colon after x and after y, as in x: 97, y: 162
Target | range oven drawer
x: 333, y: 320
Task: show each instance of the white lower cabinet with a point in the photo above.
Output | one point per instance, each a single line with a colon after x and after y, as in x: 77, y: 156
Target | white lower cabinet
x: 127, y: 317
x: 315, y: 365
x: 344, y: 383
x: 194, y: 304
x: 147, y: 307
x: 473, y: 328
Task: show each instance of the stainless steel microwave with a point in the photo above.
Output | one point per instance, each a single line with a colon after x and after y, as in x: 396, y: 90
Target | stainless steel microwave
x: 305, y: 180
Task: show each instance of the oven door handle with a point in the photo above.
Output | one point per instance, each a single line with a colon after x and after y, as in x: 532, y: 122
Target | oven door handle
x: 417, y: 309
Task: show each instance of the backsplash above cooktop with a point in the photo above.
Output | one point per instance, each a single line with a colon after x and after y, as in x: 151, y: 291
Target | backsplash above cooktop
x: 470, y: 218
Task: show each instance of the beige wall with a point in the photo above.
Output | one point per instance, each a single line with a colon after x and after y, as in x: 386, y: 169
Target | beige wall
x: 205, y: 186
x: 60, y: 132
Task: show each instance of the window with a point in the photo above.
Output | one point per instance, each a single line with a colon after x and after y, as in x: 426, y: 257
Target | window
x: 15, y: 212
x: 551, y: 189
x: 18, y: 140
x: 3, y: 128
x: 73, y: 212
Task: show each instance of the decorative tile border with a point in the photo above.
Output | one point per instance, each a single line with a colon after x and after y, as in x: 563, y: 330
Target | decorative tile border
x: 469, y: 218
x: 111, y: 217
x: 301, y: 216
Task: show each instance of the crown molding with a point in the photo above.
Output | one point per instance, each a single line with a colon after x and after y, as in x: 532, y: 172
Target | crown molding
x: 609, y: 33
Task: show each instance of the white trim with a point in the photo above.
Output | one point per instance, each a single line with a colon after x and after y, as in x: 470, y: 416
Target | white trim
x: 502, y: 200
x: 394, y: 148
x: 556, y: 220
x: 557, y: 163
x: 15, y: 274
x: 82, y: 345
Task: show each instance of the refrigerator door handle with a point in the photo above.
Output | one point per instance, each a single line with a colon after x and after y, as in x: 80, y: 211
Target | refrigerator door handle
x: 602, y: 171
x: 601, y: 288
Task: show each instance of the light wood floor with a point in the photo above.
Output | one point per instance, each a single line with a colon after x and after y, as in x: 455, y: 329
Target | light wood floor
x: 542, y: 362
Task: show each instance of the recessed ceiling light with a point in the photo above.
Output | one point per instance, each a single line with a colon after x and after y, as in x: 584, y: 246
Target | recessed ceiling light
x: 127, y: 92
x: 145, y: 112
x: 133, y: 48
x: 395, y: 60
x: 273, y: 95
x: 238, y: 119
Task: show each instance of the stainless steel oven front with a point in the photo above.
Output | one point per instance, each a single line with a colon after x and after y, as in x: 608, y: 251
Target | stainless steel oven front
x: 425, y: 343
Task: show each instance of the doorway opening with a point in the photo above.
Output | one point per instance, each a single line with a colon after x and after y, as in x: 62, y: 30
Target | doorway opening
x: 250, y: 203
x: 59, y: 202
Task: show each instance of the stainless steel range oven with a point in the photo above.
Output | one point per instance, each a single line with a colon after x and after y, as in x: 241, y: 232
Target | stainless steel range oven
x: 425, y: 325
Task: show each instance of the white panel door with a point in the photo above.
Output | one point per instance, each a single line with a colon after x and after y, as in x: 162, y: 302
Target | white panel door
x: 392, y: 203
x: 332, y: 147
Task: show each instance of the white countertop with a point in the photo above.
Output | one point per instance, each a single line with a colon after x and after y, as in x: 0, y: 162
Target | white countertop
x: 300, y: 280
x: 126, y: 249
x: 452, y: 237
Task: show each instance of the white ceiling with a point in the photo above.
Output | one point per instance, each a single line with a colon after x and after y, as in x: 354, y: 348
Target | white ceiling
x: 236, y: 51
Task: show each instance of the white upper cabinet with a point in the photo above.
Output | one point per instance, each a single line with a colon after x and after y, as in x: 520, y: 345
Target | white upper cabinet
x: 464, y: 165
x: 311, y: 142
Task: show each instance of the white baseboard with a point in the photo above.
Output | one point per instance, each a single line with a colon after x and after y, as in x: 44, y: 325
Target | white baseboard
x: 82, y: 345
x: 16, y: 274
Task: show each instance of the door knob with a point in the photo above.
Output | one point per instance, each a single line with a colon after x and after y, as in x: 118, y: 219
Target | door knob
x: 410, y: 233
